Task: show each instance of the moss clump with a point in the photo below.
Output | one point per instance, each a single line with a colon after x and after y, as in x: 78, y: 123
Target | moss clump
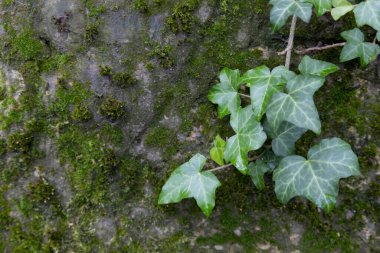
x: 182, y: 18
x: 163, y: 138
x: 92, y: 162
x: 112, y: 134
x: 91, y: 33
x: 96, y: 11
x: 35, y: 125
x: 149, y: 66
x: 123, y: 79
x: 20, y: 141
x: 112, y: 108
x: 164, y: 55
x: 81, y: 113
x: 3, y: 93
x: 3, y: 147
x: 141, y: 5
x: 42, y: 193
x: 374, y: 117
x: 67, y: 96
x: 28, y: 47
x: 55, y: 62
x: 105, y: 70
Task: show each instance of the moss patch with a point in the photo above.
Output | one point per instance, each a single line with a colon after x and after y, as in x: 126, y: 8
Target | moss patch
x: 112, y: 109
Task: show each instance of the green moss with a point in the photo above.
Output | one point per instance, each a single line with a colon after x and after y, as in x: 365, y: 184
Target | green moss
x: 123, y: 79
x: 112, y: 134
x: 96, y: 11
x: 158, y: 2
x: 149, y: 66
x: 3, y: 147
x: 35, y: 125
x: 8, y: 2
x: 141, y: 5
x: 105, y: 70
x: 182, y: 17
x: 92, y: 162
x: 328, y: 241
x: 67, y: 96
x: 374, y: 117
x: 55, y: 62
x: 163, y: 138
x: 91, y: 33
x: 81, y: 113
x: 43, y: 194
x: 3, y: 93
x: 27, y: 46
x: 112, y: 108
x: 164, y: 55
x: 20, y: 141
x: 248, y: 238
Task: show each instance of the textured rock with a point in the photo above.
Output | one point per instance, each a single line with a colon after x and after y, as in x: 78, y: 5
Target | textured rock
x: 91, y: 184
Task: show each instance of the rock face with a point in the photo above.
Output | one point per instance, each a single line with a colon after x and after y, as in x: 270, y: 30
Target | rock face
x: 101, y: 100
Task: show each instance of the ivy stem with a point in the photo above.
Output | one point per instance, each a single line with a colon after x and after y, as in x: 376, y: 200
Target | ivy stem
x: 230, y: 164
x: 244, y: 95
x: 320, y: 48
x: 290, y: 42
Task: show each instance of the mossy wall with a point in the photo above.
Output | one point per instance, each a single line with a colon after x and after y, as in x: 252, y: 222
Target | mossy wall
x: 101, y: 100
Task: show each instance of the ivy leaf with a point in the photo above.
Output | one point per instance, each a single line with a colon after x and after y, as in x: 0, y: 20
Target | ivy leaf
x: 187, y: 181
x: 284, y: 138
x: 297, y: 106
x: 249, y: 136
x: 341, y: 8
x: 263, y: 84
x: 321, y: 6
x: 356, y: 47
x: 271, y: 159
x: 316, y: 67
x: 265, y: 164
x: 378, y: 36
x: 256, y: 171
x: 317, y: 178
x: 225, y: 94
x: 217, y: 152
x: 283, y: 9
x: 368, y: 13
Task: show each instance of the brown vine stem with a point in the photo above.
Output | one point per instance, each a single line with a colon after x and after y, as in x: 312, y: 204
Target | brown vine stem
x: 289, y: 48
x: 230, y: 164
x: 320, y: 48
x: 244, y: 95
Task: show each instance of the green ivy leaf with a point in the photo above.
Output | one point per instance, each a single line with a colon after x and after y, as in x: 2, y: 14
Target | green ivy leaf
x: 317, y: 178
x: 341, y: 8
x: 249, y: 136
x: 263, y: 84
x: 321, y: 6
x: 356, y: 47
x: 217, y: 152
x: 283, y: 9
x: 187, y: 181
x: 316, y: 67
x: 297, y: 106
x: 226, y: 93
x: 256, y: 171
x: 368, y: 13
x: 284, y: 138
x: 268, y: 162
x: 270, y: 159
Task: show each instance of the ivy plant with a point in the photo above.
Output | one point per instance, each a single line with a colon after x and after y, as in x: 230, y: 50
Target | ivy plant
x: 280, y: 110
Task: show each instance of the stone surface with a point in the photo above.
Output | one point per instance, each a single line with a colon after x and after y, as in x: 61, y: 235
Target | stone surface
x: 90, y: 183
